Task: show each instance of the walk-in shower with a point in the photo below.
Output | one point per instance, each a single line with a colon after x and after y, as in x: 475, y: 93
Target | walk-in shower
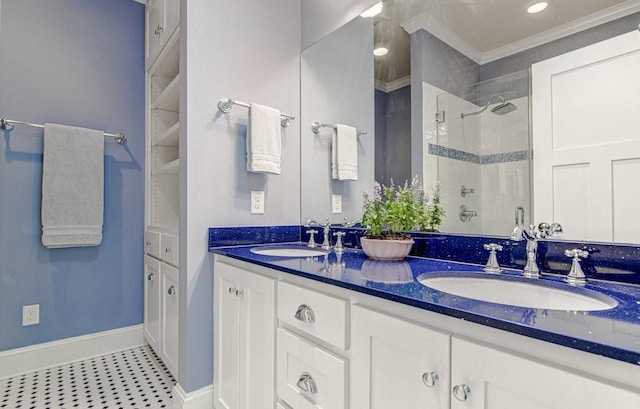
x: 501, y: 109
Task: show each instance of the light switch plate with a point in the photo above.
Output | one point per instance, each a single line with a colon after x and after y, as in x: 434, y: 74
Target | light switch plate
x: 336, y: 204
x: 257, y: 202
x: 30, y: 315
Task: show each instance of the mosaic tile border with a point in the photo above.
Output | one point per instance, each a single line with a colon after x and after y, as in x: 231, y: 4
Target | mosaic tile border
x: 451, y: 153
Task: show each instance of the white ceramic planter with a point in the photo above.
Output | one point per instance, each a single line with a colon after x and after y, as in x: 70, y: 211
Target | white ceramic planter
x: 386, y: 249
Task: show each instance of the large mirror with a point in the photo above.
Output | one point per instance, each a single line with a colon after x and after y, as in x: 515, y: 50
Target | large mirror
x: 450, y: 101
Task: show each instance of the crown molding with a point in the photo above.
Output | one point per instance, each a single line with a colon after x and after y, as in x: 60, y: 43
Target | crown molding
x: 436, y: 28
x: 567, y: 29
x: 430, y: 24
x: 393, y: 85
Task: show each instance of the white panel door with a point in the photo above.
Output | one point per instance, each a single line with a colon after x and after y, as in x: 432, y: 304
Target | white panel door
x: 226, y: 337
x: 257, y: 341
x: 397, y: 364
x: 586, y: 144
x: 152, y: 284
x: 170, y: 316
x: 498, y: 380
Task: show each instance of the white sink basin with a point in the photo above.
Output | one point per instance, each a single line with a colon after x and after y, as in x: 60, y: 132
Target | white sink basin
x: 519, y: 293
x: 288, y: 251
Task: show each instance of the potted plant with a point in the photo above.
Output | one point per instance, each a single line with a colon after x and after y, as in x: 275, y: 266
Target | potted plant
x: 392, y: 212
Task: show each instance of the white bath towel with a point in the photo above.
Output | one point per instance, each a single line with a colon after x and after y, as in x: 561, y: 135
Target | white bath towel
x: 344, y: 153
x: 72, y: 186
x: 264, y: 143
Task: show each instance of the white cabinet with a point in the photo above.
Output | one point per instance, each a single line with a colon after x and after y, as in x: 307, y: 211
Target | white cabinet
x: 483, y: 377
x: 162, y: 19
x: 152, y: 288
x: 397, y: 363
x: 244, y: 339
x: 169, y: 317
x: 161, y: 310
x: 396, y: 356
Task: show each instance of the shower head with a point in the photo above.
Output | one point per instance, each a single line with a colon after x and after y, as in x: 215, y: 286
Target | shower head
x: 502, y: 108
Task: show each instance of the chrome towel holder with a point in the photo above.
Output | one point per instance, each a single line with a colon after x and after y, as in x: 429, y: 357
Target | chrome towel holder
x: 225, y: 105
x: 9, y: 124
x: 316, y: 126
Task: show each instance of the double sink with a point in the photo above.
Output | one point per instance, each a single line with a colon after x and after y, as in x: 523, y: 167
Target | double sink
x: 493, y: 288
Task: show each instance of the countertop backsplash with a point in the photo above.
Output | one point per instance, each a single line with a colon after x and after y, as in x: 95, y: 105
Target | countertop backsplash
x: 606, y: 261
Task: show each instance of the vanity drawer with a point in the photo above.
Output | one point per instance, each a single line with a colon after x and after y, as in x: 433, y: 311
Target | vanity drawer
x: 314, y: 313
x: 309, y: 377
x: 152, y: 243
x: 169, y: 249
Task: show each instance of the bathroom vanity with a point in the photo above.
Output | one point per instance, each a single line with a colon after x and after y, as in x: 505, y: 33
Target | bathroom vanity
x: 342, y: 331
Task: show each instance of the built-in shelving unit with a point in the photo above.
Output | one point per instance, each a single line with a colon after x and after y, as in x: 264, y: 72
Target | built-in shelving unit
x: 161, y: 241
x: 163, y: 81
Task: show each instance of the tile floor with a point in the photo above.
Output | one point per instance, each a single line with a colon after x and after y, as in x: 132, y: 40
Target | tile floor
x: 130, y: 379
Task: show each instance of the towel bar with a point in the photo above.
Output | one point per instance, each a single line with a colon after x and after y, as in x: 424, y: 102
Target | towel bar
x: 225, y: 104
x: 316, y: 126
x: 8, y: 125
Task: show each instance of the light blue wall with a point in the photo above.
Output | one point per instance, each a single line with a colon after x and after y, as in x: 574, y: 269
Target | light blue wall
x: 75, y: 62
x: 393, y: 135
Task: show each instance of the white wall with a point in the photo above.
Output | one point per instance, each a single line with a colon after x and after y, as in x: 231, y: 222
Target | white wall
x: 248, y: 51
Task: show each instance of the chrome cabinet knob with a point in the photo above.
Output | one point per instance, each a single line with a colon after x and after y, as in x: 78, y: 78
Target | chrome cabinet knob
x: 167, y: 249
x: 305, y: 314
x: 158, y: 30
x: 430, y: 379
x: 239, y: 293
x: 150, y: 277
x: 147, y: 243
x: 461, y: 392
x: 307, y: 384
x: 232, y: 291
x: 171, y: 290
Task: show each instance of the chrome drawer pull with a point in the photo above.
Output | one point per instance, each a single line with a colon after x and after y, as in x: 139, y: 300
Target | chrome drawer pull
x: 307, y: 384
x: 150, y: 277
x: 430, y: 379
x: 461, y: 392
x: 305, y: 314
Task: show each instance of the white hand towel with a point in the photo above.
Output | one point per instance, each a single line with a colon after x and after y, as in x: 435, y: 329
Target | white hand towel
x: 72, y: 186
x: 344, y: 153
x: 264, y: 140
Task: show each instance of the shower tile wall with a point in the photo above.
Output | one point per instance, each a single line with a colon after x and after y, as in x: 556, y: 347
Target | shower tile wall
x: 492, y: 159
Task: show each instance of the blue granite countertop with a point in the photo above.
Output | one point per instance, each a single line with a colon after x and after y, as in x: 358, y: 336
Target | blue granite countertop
x: 614, y: 333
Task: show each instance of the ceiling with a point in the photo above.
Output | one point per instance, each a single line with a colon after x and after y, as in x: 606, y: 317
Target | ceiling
x: 484, y: 30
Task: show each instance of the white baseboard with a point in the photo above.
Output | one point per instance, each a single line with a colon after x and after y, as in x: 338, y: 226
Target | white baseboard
x: 199, y: 399
x: 40, y: 356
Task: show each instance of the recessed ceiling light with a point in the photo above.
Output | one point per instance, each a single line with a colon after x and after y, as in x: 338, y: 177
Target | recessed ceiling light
x: 537, y: 7
x: 373, y: 11
x: 380, y: 51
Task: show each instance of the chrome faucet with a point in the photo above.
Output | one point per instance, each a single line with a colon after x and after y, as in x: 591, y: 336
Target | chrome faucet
x: 326, y: 244
x: 576, y: 275
x: 339, y: 247
x: 347, y: 223
x: 531, y: 235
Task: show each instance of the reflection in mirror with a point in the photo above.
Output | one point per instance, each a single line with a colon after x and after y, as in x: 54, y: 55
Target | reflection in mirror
x: 337, y: 88
x: 446, y: 58
x: 477, y: 146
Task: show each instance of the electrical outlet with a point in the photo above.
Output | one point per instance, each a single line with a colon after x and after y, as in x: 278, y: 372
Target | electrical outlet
x: 257, y: 202
x: 336, y: 204
x: 30, y: 315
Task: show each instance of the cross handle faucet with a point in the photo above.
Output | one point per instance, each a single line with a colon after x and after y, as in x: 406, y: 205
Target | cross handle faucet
x: 576, y: 275
x: 326, y: 227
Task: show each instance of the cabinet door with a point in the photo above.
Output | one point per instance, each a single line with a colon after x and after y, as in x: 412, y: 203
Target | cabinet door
x: 170, y: 310
x: 257, y: 341
x: 154, y: 24
x: 499, y: 380
x: 397, y: 364
x: 152, y: 284
x: 226, y: 351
